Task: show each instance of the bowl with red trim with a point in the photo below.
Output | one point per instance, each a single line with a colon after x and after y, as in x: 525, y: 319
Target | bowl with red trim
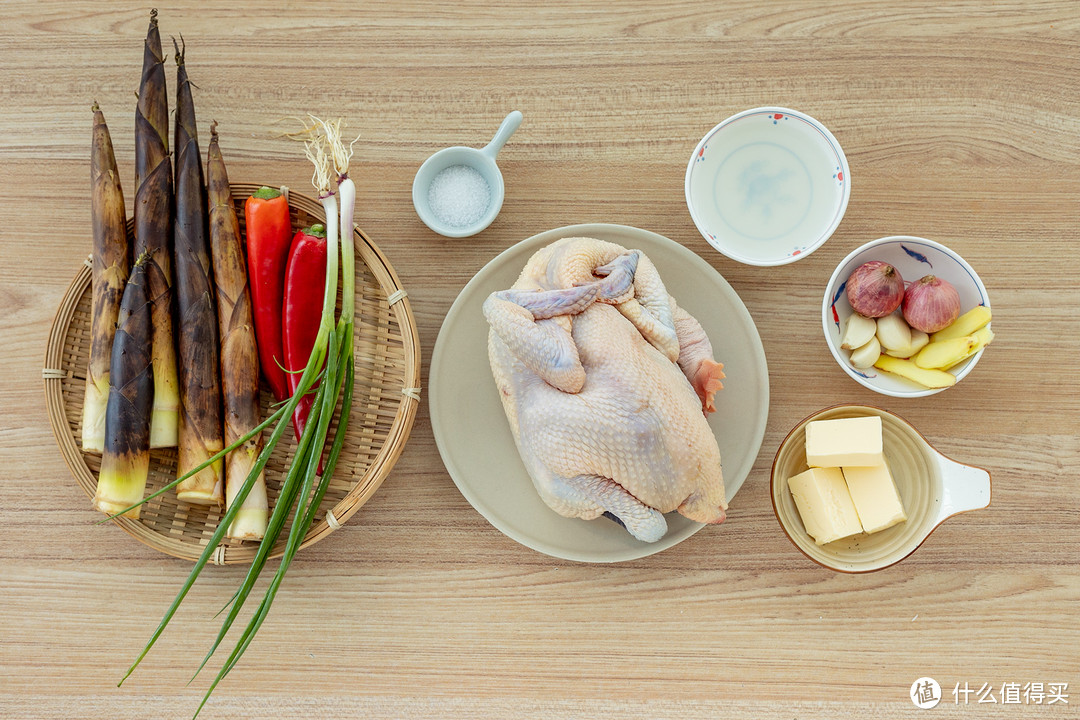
x: 767, y: 186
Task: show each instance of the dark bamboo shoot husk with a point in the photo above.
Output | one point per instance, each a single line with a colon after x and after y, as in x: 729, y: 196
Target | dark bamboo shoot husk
x: 153, y: 230
x: 125, y: 461
x: 198, y: 370
x: 239, y: 353
x: 109, y: 275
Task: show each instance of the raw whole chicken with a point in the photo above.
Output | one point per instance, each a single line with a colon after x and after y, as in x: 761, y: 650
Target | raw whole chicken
x: 606, y: 383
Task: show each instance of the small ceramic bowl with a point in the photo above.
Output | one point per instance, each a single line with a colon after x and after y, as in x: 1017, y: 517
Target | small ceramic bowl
x: 914, y: 258
x: 480, y: 160
x: 932, y: 489
x: 767, y: 186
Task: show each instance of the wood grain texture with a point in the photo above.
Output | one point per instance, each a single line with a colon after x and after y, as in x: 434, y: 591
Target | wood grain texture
x: 960, y: 123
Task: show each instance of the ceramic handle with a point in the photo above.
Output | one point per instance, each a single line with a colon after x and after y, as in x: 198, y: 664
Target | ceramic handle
x: 509, y: 125
x: 963, y: 488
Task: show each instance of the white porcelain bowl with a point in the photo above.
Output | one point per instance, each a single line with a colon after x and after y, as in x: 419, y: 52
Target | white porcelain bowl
x: 913, y: 257
x: 767, y: 186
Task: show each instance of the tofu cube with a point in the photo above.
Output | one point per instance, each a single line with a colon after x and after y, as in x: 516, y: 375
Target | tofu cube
x: 874, y: 494
x: 824, y: 504
x: 848, y: 442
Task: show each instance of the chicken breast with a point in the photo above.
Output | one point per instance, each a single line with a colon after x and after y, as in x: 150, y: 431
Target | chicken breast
x: 606, y: 381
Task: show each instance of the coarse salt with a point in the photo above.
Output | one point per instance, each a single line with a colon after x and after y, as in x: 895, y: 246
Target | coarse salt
x: 459, y: 196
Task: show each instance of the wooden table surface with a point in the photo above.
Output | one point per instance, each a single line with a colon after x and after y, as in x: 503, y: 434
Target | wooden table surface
x: 960, y: 124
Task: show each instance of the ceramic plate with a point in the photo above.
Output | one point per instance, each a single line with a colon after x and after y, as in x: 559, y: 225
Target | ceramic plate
x: 478, y: 448
x: 767, y: 186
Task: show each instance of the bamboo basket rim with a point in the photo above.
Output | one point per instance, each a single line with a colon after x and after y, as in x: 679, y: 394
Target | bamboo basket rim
x: 368, y: 255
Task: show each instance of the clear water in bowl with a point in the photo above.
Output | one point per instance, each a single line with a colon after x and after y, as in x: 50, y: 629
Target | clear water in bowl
x: 773, y: 186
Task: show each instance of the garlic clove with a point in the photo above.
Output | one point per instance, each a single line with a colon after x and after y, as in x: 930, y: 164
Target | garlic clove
x: 865, y: 356
x: 919, y: 339
x: 893, y: 333
x: 858, y: 331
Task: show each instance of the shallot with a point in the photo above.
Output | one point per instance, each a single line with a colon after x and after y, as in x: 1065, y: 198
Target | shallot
x: 875, y: 289
x: 931, y: 304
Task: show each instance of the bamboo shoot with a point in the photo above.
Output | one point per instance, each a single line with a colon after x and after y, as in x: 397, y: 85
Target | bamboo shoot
x: 125, y: 461
x: 198, y: 370
x: 109, y: 275
x: 153, y: 230
x: 239, y: 353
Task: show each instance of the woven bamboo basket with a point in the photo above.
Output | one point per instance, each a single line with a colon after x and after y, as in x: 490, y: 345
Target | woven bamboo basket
x: 385, y: 400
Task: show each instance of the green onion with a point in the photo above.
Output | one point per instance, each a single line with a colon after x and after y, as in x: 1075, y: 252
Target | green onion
x: 300, y: 494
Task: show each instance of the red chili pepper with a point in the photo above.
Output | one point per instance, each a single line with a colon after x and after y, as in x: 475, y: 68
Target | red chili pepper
x: 268, y: 228
x: 305, y: 284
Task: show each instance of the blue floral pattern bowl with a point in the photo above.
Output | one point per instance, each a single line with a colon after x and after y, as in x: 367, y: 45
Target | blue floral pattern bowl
x: 913, y: 257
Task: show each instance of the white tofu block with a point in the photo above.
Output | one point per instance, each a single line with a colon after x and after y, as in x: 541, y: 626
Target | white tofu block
x: 848, y: 442
x: 824, y: 504
x: 874, y: 494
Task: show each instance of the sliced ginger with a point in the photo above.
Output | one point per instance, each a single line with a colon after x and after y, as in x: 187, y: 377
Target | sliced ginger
x: 983, y: 337
x: 944, y: 353
x: 966, y: 324
x: 906, y: 368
